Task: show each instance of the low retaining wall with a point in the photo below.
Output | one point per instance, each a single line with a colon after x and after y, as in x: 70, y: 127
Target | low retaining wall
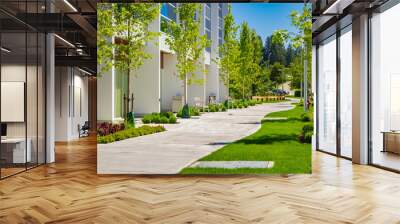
x: 268, y: 98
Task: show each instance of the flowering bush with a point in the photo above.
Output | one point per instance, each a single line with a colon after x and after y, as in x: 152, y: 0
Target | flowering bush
x: 107, y: 128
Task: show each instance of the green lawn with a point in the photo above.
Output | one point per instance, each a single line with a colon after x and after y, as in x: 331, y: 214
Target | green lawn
x: 275, y: 141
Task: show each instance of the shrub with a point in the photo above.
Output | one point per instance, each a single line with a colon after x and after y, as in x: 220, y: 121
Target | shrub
x: 164, y: 120
x: 129, y: 133
x: 252, y: 102
x: 305, y: 117
x: 306, y: 133
x: 213, y: 108
x: 156, y: 118
x: 308, y: 137
x: 308, y: 128
x: 194, y: 111
x: 297, y: 93
x: 147, y: 119
x: 172, y: 120
x: 107, y: 128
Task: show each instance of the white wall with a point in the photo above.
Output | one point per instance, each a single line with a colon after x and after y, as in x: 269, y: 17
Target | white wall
x: 171, y: 85
x: 145, y: 82
x: 105, y: 96
x: 70, y: 83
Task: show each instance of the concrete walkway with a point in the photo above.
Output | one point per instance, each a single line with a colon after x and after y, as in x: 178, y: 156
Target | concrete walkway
x: 182, y: 144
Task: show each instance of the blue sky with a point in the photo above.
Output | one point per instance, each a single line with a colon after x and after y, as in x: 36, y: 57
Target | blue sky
x: 265, y: 18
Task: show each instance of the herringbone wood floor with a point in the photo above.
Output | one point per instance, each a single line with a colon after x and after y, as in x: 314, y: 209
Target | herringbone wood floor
x: 69, y: 191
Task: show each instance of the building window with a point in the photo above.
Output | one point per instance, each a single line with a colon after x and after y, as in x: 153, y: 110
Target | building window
x: 207, y: 21
x: 327, y: 95
x: 168, y: 14
x: 168, y: 11
x: 220, y: 25
x: 346, y: 92
x: 385, y: 89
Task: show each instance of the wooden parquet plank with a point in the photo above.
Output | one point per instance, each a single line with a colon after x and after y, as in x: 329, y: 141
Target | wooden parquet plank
x: 70, y: 191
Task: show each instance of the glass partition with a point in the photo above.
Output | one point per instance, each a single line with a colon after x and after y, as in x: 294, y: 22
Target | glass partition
x: 346, y: 92
x: 13, y: 94
x: 327, y: 95
x: 22, y: 101
x: 385, y: 89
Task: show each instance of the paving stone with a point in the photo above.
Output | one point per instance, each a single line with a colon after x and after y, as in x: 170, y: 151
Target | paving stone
x: 233, y: 164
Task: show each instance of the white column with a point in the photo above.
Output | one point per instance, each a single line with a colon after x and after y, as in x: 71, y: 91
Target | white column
x: 50, y: 99
x: 360, y: 90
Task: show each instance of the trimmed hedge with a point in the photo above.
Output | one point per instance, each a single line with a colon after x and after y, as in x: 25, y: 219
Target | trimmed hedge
x: 297, y: 93
x: 129, y: 133
x: 193, y: 111
x: 159, y: 118
x: 306, y: 117
x: 306, y: 133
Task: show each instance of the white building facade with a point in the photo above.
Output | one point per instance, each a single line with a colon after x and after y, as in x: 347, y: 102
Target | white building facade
x: 156, y: 83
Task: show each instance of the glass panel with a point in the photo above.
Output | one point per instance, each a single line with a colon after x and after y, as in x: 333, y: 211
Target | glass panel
x: 208, y: 24
x: 168, y: 11
x: 41, y: 98
x: 31, y: 98
x: 327, y: 96
x: 208, y: 12
x: 171, y: 12
x: 208, y: 33
x: 385, y: 92
x: 346, y: 93
x: 13, y: 77
x: 164, y: 9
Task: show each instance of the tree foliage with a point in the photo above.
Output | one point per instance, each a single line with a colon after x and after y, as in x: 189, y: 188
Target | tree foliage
x: 185, y: 40
x: 229, y: 51
x: 122, y: 34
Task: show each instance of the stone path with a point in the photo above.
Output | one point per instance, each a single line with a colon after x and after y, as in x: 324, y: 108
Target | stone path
x: 182, y: 144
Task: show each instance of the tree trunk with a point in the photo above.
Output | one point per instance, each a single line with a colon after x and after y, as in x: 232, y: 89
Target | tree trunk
x: 185, y: 92
x: 129, y: 91
x: 243, y: 89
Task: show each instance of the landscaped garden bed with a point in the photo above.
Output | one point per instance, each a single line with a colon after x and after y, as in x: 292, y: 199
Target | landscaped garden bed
x: 159, y: 118
x: 107, y: 132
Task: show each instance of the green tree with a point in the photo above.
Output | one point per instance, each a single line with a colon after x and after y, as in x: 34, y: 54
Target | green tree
x: 122, y: 34
x: 277, y: 75
x: 257, y: 72
x: 229, y: 53
x: 246, y: 67
x: 185, y: 40
x: 302, y: 39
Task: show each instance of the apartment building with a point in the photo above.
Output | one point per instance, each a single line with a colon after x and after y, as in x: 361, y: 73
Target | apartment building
x: 357, y: 73
x: 156, y: 83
